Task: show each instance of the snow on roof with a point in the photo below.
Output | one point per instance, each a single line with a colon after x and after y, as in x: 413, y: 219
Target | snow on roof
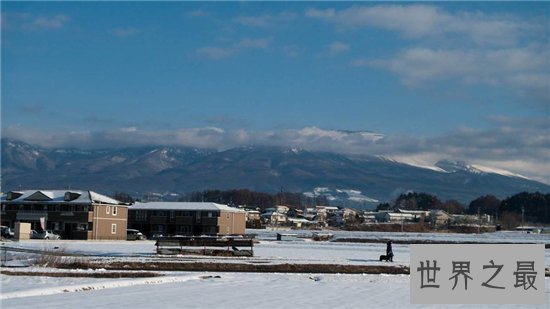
x: 100, y: 198
x: 399, y: 215
x: 299, y: 220
x: 407, y: 211
x: 58, y: 196
x: 183, y: 206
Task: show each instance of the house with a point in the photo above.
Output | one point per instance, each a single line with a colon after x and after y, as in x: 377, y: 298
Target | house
x: 186, y: 218
x: 350, y: 215
x: 324, y: 212
x: 397, y: 217
x: 381, y: 216
x: 73, y: 214
x: 282, y: 209
x: 418, y: 214
x: 439, y: 217
x: 253, y: 219
x: 300, y: 222
x: 369, y: 216
x: 274, y: 217
x: 471, y: 219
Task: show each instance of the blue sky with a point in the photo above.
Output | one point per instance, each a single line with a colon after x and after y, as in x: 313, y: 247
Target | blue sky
x: 463, y: 81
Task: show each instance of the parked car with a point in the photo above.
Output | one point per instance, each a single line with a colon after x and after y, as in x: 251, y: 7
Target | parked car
x: 134, y: 235
x: 7, y: 232
x: 157, y: 236
x: 47, y: 234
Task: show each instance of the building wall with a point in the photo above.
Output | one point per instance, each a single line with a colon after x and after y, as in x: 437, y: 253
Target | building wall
x: 231, y: 222
x: 107, y: 216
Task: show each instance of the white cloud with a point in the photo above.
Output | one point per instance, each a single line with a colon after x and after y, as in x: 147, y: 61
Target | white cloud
x: 419, y: 20
x: 521, y: 146
x: 197, y: 13
x: 336, y: 48
x: 254, y: 43
x: 42, y: 22
x: 524, y: 70
x: 218, y: 53
x: 265, y: 20
x: 124, y: 31
x: 292, y: 50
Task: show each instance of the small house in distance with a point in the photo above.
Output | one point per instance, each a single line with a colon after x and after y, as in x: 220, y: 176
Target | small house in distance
x: 73, y: 214
x: 186, y: 218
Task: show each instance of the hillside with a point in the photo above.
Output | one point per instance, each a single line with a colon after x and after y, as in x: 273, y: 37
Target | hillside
x: 179, y: 169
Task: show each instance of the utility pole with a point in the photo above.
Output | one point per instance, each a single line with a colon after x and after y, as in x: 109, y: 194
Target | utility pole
x: 522, y: 215
x: 478, y: 219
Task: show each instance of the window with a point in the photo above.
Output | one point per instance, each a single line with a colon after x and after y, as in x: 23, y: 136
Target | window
x: 113, y: 228
x: 108, y: 209
x: 83, y: 227
x: 141, y: 215
x: 185, y: 229
x: 210, y: 230
x: 114, y: 210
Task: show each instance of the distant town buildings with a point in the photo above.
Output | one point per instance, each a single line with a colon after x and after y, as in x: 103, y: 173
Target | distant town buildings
x: 76, y: 214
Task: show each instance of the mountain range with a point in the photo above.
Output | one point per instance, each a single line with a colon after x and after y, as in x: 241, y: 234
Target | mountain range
x: 139, y: 170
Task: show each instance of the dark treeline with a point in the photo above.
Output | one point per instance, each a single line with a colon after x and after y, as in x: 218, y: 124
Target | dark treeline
x: 536, y: 206
x: 254, y: 199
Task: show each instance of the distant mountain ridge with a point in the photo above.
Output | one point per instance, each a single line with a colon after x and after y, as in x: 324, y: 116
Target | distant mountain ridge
x: 138, y: 170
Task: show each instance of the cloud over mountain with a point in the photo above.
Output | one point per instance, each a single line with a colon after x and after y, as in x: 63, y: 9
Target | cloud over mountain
x: 522, y: 146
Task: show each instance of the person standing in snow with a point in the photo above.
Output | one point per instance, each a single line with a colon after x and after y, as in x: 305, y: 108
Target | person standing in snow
x: 389, y: 251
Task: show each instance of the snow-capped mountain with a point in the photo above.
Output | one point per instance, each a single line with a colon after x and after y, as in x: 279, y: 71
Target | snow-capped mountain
x: 455, y: 166
x: 343, y: 197
x: 360, y: 178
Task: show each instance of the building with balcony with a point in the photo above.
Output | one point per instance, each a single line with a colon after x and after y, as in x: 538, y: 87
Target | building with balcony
x: 72, y: 214
x: 186, y: 218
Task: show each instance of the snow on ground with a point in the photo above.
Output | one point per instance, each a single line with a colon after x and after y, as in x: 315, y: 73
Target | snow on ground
x: 270, y: 251
x: 502, y: 236
x: 233, y: 290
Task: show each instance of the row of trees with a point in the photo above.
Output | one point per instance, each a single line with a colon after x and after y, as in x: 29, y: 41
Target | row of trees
x: 255, y: 199
x: 536, y: 206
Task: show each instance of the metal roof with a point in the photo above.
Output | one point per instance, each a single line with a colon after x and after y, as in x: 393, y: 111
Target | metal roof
x: 57, y: 197
x: 183, y: 206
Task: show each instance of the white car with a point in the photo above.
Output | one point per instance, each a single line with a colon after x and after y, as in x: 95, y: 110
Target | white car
x: 134, y: 235
x: 48, y: 234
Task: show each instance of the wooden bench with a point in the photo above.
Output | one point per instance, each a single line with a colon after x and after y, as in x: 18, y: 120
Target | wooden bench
x: 188, y: 244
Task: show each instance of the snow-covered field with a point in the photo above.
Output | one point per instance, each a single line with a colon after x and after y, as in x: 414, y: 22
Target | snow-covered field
x: 272, y: 251
x: 234, y: 290
x: 231, y: 290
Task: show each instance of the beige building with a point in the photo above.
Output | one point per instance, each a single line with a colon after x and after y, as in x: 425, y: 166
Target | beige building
x: 186, y: 218
x: 73, y: 214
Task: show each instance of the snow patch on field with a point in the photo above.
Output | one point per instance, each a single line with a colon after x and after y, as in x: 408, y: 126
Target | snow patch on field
x: 93, y: 285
